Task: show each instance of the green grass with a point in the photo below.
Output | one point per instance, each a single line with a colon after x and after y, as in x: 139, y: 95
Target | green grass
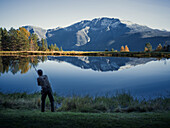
x: 109, y: 111
x: 18, y: 118
x: 120, y: 102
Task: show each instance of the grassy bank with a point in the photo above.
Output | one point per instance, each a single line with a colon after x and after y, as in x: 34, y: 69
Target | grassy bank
x: 120, y: 102
x: 16, y: 118
x: 88, y: 53
x: 119, y: 110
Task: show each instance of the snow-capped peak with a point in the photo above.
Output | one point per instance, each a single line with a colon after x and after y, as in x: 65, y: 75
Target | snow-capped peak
x: 128, y: 23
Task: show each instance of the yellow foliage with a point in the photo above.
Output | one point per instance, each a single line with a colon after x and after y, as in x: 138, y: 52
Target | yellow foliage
x: 159, y: 48
x: 146, y: 49
x: 122, y: 49
x: 126, y: 49
x: 31, y: 41
x: 32, y: 59
x: 23, y: 30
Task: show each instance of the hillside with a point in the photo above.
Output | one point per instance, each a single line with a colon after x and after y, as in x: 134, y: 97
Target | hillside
x: 103, y: 33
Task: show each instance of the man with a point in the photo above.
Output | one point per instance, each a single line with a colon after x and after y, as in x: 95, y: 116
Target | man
x: 45, y: 90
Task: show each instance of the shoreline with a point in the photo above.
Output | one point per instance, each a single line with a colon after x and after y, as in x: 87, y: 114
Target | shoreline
x: 87, y: 53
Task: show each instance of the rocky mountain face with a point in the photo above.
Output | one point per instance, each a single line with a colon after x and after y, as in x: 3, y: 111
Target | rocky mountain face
x: 103, y: 33
x: 39, y: 31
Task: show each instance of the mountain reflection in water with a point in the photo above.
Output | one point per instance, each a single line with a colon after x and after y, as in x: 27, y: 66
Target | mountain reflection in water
x: 102, y: 64
x: 16, y: 64
x: 86, y: 75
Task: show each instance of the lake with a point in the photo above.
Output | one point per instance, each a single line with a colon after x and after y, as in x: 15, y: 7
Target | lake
x: 142, y: 77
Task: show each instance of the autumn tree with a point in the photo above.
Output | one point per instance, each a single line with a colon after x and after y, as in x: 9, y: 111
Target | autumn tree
x: 126, y: 49
x: 146, y: 49
x: 148, y: 46
x: 122, y: 49
x: 23, y: 41
x: 159, y: 48
x: 112, y: 49
x: 19, y: 40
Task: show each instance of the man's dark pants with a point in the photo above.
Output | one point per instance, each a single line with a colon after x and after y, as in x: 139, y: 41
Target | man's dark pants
x: 44, y: 94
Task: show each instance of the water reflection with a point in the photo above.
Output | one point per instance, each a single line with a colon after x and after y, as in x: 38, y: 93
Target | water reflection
x: 102, y: 64
x: 22, y: 64
x: 68, y: 75
x: 16, y: 64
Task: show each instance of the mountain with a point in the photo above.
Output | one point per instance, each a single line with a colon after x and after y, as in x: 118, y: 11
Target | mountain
x: 104, y: 33
x: 39, y: 31
x: 102, y: 64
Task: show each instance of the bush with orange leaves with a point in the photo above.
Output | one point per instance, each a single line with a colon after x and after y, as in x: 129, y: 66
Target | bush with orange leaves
x: 126, y: 49
x: 122, y: 49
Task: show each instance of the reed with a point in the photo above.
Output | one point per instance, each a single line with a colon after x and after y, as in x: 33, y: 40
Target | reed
x: 121, y: 102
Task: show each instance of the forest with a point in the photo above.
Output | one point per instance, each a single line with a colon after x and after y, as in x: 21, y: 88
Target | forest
x: 22, y: 40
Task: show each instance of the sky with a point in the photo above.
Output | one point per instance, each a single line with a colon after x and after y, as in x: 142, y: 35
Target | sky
x: 61, y: 13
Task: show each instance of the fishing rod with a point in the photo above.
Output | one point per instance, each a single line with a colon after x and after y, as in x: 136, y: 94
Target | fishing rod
x: 35, y: 68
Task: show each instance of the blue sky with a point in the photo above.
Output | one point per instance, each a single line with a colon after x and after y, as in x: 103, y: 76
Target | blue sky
x: 53, y: 13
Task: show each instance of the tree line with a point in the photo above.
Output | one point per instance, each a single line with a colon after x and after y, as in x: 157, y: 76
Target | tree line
x: 148, y: 47
x: 15, y: 64
x: 122, y: 49
x: 22, y: 40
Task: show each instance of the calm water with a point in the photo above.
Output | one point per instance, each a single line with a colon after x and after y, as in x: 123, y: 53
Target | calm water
x: 143, y: 77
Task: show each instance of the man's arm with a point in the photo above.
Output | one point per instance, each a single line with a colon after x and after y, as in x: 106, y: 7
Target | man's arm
x: 39, y: 83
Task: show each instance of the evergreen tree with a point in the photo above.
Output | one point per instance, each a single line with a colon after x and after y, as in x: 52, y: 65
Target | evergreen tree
x: 34, y: 42
x: 52, y: 47
x: 13, y: 40
x: 57, y: 49
x: 61, y: 49
x: 148, y: 46
x: 5, y: 40
x: 43, y: 45
x: 18, y: 40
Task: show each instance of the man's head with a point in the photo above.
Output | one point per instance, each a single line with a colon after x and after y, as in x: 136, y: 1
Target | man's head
x: 40, y: 72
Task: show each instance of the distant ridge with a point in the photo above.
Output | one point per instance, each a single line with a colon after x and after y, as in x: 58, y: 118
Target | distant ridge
x: 102, y: 33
